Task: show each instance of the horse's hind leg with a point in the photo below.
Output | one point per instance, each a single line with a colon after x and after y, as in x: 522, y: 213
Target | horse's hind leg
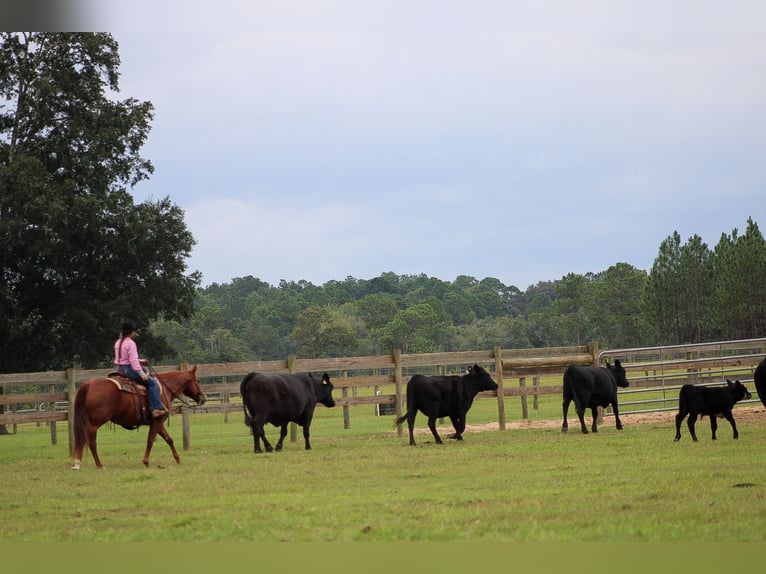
x: 77, y: 456
x: 90, y: 434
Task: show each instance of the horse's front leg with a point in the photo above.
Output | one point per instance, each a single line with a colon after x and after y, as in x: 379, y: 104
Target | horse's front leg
x: 168, y: 439
x: 158, y: 427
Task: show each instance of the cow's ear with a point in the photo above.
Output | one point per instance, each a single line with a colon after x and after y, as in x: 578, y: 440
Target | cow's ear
x: 325, y: 379
x: 617, y: 363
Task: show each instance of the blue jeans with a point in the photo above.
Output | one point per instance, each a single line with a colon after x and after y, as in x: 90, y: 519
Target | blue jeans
x: 153, y: 389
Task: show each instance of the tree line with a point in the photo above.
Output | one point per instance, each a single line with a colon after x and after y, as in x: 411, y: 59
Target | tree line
x: 691, y: 294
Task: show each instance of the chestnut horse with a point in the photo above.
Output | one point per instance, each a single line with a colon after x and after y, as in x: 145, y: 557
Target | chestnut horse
x: 102, y: 400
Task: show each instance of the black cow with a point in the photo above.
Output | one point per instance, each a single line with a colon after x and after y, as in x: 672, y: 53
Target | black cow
x: 590, y: 388
x: 444, y: 396
x: 710, y: 401
x: 759, y: 378
x: 280, y: 399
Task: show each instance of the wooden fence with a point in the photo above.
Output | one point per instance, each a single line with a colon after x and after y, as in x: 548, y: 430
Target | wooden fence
x: 370, y: 380
x: 380, y: 381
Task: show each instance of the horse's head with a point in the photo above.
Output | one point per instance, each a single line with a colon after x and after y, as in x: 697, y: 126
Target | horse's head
x: 191, y: 387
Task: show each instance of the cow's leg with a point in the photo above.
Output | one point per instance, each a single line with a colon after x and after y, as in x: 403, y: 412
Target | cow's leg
x: 594, y: 414
x: 713, y: 424
x: 617, y: 420
x: 690, y: 424
x: 459, y: 425
x: 282, y: 435
x: 730, y: 417
x: 432, y: 426
x: 679, y: 419
x: 565, y: 408
x: 259, y: 432
x: 266, y: 444
x: 411, y: 424
x: 306, y: 435
x: 581, y: 416
x: 256, y: 437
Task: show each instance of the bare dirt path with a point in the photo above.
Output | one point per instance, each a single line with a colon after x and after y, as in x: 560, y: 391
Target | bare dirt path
x: 756, y: 414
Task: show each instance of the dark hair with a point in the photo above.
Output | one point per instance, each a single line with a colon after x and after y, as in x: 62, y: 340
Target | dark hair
x: 127, y: 328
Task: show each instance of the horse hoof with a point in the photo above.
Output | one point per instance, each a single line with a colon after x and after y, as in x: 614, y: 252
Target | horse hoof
x: 76, y: 465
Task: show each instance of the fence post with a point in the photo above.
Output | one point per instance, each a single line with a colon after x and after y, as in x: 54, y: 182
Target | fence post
x: 225, y: 399
x: 186, y: 426
x: 398, y: 381
x: 524, y: 410
x: 593, y: 352
x: 71, y: 390
x: 52, y: 424
x: 344, y: 393
x: 500, y: 389
x: 293, y: 427
x: 185, y: 419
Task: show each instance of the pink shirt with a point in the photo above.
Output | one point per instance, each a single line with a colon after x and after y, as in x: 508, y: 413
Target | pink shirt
x: 127, y: 354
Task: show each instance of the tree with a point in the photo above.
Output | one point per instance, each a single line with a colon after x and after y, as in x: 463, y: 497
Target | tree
x: 376, y: 311
x: 617, y: 313
x: 323, y: 332
x: 412, y: 329
x: 662, y: 302
x: 77, y: 256
x: 739, y: 277
x: 573, y: 306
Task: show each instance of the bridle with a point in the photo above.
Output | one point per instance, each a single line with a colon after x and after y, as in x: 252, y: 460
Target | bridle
x: 173, y: 395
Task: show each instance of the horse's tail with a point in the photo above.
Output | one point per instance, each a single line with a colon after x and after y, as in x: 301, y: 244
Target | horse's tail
x: 80, y: 419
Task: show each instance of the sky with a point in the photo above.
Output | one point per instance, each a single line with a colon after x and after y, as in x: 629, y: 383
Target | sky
x: 520, y: 140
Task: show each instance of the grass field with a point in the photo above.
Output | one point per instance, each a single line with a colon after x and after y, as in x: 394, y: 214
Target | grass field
x: 367, y: 484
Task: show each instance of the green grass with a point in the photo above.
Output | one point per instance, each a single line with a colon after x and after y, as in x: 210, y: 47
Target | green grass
x: 366, y: 484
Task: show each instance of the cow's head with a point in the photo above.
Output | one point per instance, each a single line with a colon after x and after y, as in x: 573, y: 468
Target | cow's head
x: 324, y: 392
x: 738, y: 390
x: 482, y: 378
x: 618, y: 372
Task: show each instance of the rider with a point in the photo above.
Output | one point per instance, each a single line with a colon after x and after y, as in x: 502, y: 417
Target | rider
x: 128, y: 364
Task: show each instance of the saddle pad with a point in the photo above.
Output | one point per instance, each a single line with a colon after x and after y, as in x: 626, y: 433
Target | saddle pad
x: 128, y: 386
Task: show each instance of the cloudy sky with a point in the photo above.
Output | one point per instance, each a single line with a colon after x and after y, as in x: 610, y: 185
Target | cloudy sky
x: 521, y: 140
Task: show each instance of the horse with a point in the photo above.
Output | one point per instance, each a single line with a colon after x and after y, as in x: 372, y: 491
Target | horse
x: 103, y: 399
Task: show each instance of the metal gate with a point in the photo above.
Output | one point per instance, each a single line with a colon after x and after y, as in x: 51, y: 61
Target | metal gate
x: 657, y: 373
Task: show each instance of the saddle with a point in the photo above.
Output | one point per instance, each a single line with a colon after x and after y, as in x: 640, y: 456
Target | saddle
x: 139, y: 395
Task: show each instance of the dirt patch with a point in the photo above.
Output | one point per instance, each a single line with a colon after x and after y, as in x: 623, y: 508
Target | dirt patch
x: 754, y: 414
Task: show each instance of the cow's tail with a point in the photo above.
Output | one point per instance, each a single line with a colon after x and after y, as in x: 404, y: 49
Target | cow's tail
x: 682, y: 400
x: 400, y: 420
x: 570, y: 384
x: 243, y: 386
